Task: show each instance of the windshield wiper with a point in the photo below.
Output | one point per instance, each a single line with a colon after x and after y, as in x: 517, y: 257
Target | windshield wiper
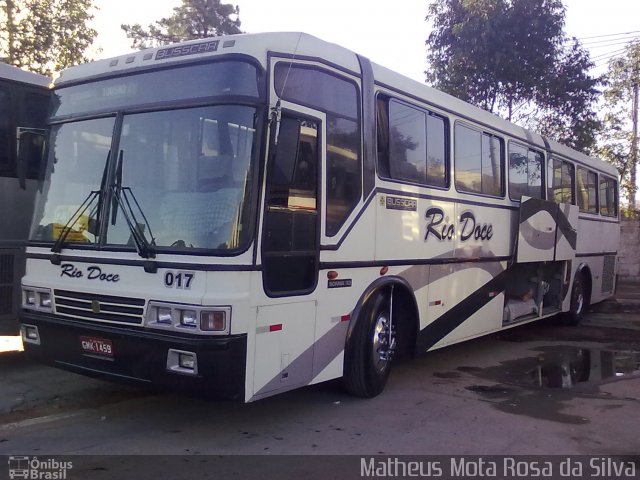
x: 68, y: 227
x: 86, y: 203
x: 125, y: 198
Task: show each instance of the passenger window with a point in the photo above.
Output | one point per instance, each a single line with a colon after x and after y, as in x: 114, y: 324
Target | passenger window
x: 561, y: 175
x: 411, y: 144
x: 407, y: 143
x: 608, y: 197
x: 525, y: 172
x: 339, y: 99
x: 586, y: 189
x: 437, y: 128
x: 478, y: 162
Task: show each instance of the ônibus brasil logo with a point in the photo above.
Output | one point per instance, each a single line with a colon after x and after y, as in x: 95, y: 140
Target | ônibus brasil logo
x: 34, y: 468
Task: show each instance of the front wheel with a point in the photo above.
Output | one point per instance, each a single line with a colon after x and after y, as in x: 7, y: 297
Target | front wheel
x: 368, y: 357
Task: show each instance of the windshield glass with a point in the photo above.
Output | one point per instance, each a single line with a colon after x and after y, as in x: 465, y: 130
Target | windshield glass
x: 189, y: 172
x: 76, y: 164
x: 185, y: 174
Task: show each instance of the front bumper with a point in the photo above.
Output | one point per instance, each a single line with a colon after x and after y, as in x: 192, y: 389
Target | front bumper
x: 140, y: 355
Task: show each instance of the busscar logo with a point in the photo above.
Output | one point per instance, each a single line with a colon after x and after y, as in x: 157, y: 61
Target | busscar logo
x: 400, y: 203
x: 38, y: 469
x: 183, y: 50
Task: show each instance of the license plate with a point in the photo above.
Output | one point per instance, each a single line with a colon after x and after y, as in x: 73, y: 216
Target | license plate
x: 97, y: 346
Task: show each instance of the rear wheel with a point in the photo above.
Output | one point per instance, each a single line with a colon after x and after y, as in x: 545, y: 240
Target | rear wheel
x: 579, y: 301
x: 368, y: 357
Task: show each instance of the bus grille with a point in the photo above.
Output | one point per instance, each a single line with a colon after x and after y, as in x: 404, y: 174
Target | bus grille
x: 104, y: 308
x: 608, y: 273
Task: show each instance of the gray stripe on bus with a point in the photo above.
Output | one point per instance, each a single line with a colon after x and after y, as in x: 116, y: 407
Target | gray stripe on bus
x: 327, y: 348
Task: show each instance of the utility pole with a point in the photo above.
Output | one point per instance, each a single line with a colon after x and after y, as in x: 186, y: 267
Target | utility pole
x: 634, y: 146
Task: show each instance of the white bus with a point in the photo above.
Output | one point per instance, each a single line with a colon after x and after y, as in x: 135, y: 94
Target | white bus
x: 24, y: 100
x: 250, y: 214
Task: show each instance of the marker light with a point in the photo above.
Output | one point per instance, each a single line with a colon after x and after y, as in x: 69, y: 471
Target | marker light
x: 212, y: 321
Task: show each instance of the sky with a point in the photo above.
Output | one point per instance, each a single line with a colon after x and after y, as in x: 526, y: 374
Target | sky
x: 391, y: 34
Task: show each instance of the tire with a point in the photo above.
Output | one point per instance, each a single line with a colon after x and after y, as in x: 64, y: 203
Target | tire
x: 369, y: 356
x: 579, y: 302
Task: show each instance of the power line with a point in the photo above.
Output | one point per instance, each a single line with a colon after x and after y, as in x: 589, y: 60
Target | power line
x: 612, y: 53
x: 612, y: 44
x: 610, y: 35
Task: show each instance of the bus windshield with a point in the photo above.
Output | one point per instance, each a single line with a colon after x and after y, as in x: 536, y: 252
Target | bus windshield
x: 181, y: 178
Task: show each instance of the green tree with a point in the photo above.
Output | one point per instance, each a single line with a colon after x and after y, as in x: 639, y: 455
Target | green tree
x: 192, y: 19
x: 512, y: 58
x: 45, y: 35
x: 618, y: 140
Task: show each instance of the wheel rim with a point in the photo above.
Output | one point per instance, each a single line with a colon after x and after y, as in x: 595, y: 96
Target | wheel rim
x: 383, y: 342
x: 579, y: 297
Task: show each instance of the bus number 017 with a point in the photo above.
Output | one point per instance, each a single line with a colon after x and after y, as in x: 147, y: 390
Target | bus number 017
x: 178, y: 279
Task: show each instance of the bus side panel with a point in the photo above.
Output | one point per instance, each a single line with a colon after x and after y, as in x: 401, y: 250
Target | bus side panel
x: 598, y: 242
x: 410, y: 228
x: 454, y: 292
x: 283, y: 347
x: 12, y: 264
x: 15, y: 218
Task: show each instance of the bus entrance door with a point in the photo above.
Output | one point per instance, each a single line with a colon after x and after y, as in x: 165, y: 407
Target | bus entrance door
x: 290, y: 255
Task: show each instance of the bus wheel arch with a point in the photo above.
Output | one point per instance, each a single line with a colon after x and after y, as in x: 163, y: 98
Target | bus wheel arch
x: 383, y: 327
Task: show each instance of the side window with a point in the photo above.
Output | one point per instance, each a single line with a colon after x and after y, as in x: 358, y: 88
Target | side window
x: 586, y: 189
x: 560, y: 181
x: 478, y: 161
x: 608, y: 197
x: 411, y: 144
x: 437, y: 133
x: 7, y: 155
x: 339, y: 99
x: 290, y: 246
x: 525, y: 172
x: 407, y: 143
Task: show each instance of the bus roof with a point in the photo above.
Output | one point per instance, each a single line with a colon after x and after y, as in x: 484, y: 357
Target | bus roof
x: 304, y: 45
x: 15, y: 74
x: 255, y: 45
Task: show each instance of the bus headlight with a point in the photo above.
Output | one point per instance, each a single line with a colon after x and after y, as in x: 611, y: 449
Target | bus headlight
x: 45, y: 300
x: 188, y: 318
x: 36, y: 299
x: 30, y: 298
x: 163, y: 315
x: 196, y: 319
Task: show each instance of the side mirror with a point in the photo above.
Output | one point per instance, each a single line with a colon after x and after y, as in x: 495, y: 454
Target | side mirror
x: 30, y: 143
x: 286, y: 152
